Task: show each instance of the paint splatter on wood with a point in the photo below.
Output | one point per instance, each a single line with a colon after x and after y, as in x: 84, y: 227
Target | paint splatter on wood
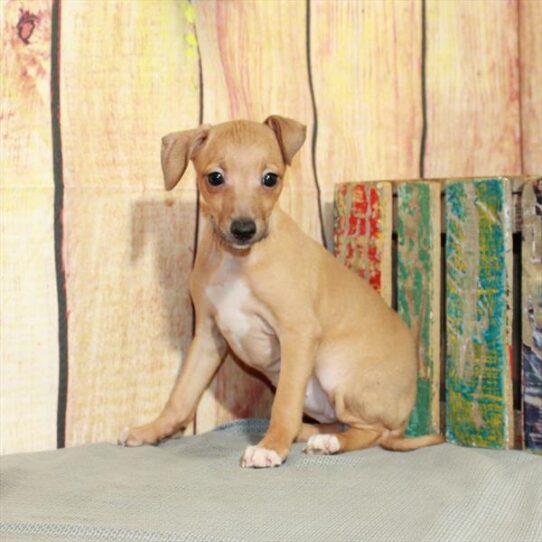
x: 531, y: 287
x: 478, y: 300
x: 362, y: 232
x: 26, y: 25
x: 418, y: 292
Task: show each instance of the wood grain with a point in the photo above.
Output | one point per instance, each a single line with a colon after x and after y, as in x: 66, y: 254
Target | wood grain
x: 418, y: 292
x: 130, y: 75
x: 472, y: 85
x: 254, y: 63
x: 363, y: 230
x: 531, y: 289
x: 366, y: 72
x: 530, y: 61
x: 29, y: 311
x: 478, y: 299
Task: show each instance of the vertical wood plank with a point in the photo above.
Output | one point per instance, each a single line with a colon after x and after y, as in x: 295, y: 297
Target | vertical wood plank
x: 531, y: 288
x: 478, y: 299
x: 366, y: 73
x: 29, y: 312
x: 132, y: 67
x: 245, y: 77
x: 472, y: 85
x: 363, y: 230
x: 254, y: 62
x: 418, y: 292
x: 530, y: 41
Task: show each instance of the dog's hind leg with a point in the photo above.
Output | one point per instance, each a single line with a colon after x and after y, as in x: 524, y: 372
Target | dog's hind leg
x: 307, y: 430
x: 352, y: 439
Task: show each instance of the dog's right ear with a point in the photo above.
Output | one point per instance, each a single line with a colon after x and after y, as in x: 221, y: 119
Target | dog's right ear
x: 177, y: 149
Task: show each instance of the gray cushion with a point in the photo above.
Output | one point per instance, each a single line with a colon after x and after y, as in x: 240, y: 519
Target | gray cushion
x: 192, y: 489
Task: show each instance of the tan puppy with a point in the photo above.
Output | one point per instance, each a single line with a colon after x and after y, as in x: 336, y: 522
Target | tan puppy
x: 284, y: 305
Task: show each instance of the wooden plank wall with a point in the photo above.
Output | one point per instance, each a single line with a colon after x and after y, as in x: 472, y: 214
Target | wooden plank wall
x: 128, y: 245
x: 389, y: 89
x: 29, y: 348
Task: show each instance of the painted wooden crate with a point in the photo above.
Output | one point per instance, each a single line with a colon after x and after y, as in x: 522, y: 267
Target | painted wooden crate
x: 478, y: 269
x: 478, y: 318
x: 418, y: 292
x: 531, y: 348
x: 363, y: 231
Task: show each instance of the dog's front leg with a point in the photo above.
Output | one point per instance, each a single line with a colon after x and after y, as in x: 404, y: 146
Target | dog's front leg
x: 204, y: 356
x: 298, y: 351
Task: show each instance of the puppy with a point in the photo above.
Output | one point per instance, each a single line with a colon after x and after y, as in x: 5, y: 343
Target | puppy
x: 284, y: 305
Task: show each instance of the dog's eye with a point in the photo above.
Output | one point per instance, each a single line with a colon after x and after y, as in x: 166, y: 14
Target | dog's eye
x: 215, y: 178
x: 270, y: 180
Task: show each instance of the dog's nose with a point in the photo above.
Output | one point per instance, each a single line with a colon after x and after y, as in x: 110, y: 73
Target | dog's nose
x: 243, y: 229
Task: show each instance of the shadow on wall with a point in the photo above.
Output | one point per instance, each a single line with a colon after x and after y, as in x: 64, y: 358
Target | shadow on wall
x: 162, y: 243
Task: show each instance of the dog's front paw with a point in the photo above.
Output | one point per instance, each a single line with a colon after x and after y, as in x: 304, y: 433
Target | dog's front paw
x: 322, y: 444
x: 129, y: 437
x: 260, y: 458
x: 138, y: 436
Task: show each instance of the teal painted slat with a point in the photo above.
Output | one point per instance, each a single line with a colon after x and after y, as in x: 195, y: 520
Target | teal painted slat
x: 478, y: 285
x: 418, y: 292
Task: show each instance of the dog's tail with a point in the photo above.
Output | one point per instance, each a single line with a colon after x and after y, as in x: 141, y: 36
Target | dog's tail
x: 404, y: 444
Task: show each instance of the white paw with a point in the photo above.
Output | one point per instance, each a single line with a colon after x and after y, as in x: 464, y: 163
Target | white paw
x: 322, y: 444
x: 259, y: 458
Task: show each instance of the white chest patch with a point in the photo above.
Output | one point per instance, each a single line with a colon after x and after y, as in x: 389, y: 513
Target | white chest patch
x: 229, y: 300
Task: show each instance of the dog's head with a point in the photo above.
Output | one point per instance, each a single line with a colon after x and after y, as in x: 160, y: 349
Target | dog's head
x: 240, y: 168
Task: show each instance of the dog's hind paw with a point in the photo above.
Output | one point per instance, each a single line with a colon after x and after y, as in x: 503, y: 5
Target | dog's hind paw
x: 322, y: 444
x: 260, y: 458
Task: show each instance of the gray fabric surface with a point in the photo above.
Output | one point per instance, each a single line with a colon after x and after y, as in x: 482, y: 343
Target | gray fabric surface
x: 193, y: 489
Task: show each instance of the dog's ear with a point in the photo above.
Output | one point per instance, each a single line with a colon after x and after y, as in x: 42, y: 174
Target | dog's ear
x: 290, y: 135
x: 177, y: 149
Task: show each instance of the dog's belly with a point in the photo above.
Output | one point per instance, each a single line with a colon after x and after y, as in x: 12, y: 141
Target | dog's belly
x: 254, y: 341
x: 316, y: 404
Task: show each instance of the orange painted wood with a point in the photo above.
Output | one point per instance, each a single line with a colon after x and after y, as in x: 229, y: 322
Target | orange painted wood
x: 366, y: 72
x: 472, y: 84
x: 129, y: 75
x: 530, y: 41
x: 28, y: 312
x: 254, y: 63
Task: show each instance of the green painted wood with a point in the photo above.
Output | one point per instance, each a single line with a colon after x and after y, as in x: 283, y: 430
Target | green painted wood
x: 478, y: 299
x: 418, y: 292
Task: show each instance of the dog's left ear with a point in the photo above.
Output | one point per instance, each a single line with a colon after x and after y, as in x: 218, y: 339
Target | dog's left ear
x: 290, y: 135
x: 177, y: 149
